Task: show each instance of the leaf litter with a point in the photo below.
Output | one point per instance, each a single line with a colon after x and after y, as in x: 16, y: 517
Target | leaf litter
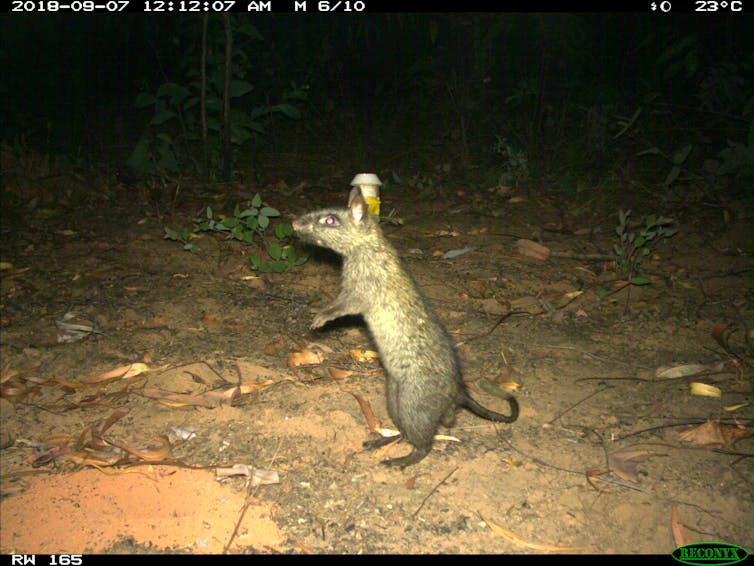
x: 332, y: 498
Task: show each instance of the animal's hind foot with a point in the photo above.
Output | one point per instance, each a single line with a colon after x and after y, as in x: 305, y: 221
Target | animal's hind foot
x: 409, y: 460
x: 415, y: 456
x: 381, y: 441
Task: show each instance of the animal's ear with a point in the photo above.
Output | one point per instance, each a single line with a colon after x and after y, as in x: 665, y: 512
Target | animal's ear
x: 359, y: 209
x: 355, y: 192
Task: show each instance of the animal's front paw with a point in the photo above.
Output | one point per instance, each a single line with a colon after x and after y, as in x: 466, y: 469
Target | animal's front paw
x: 319, y: 321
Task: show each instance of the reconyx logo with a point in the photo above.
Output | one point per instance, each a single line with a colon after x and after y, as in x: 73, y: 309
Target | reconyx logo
x: 709, y: 554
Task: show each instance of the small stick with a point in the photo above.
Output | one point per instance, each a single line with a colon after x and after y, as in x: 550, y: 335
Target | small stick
x: 453, y: 471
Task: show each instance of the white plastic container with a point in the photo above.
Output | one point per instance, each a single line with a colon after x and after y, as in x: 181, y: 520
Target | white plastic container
x: 370, y: 184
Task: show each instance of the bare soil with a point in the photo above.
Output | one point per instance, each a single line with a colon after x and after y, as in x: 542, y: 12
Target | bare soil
x: 601, y: 459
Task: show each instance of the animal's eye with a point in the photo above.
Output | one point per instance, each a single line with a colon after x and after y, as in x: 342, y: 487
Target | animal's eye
x: 329, y: 220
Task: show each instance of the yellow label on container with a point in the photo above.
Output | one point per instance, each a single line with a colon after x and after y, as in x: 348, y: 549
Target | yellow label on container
x: 373, y: 203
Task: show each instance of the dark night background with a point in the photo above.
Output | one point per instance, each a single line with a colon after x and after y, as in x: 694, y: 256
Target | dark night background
x: 474, y: 93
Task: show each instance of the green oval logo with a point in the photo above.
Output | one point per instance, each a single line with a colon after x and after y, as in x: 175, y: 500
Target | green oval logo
x: 709, y: 553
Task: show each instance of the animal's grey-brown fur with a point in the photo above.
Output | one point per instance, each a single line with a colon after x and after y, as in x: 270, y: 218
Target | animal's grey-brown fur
x: 424, y: 382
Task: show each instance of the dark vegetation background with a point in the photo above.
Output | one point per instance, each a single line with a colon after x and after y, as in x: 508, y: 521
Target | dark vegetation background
x: 571, y: 103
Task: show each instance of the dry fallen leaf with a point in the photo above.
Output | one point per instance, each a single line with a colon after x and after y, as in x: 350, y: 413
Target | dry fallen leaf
x: 493, y: 307
x: 721, y: 333
x: 366, y: 408
x: 255, y: 475
x: 211, y: 320
x: 527, y: 304
x: 149, y: 455
x: 447, y: 438
x: 704, y: 390
x: 304, y: 358
x: 363, y: 356
x: 623, y: 464
x: 73, y: 332
x: 319, y: 347
x: 593, y: 473
x: 6, y: 374
x: 270, y: 349
x: 275, y: 346
x: 13, y: 390
x: 566, y: 298
x: 532, y: 249
x: 156, y: 322
x: 685, y: 370
x: 253, y: 386
x: 336, y: 373
x: 680, y: 538
x: 206, y: 399
x: 122, y: 372
x: 99, y: 459
x: 518, y: 541
x: 182, y: 434
x: 712, y: 435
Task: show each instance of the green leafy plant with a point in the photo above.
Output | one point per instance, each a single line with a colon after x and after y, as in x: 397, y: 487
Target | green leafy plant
x: 515, y: 162
x: 183, y: 236
x: 677, y: 161
x: 736, y: 161
x: 637, y: 243
x: 244, y: 225
x: 180, y: 123
x: 249, y: 225
x: 284, y: 257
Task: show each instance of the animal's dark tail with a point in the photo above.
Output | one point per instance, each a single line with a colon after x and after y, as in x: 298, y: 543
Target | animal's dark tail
x: 485, y: 413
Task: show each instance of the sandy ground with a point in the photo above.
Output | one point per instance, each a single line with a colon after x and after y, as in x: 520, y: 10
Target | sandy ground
x: 603, y: 458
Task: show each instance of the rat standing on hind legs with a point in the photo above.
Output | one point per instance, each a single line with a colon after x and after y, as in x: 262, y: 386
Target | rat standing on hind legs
x: 424, y: 382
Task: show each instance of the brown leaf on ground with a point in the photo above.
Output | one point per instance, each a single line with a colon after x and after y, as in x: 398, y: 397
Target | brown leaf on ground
x: 532, y: 249
x: 156, y: 322
x: 211, y: 320
x: 89, y: 449
x: 122, y: 372
x: 255, y: 475
x: 529, y: 304
x: 304, y: 358
x: 366, y: 408
x: 207, y: 399
x: 13, y: 390
x: 680, y: 538
x: 254, y: 387
x: 595, y: 473
x: 713, y: 435
x: 623, y: 464
x: 337, y: 373
x: 7, y: 373
x: 518, y: 541
x: 96, y: 459
x: 685, y: 370
x: 148, y: 455
x: 721, y: 333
